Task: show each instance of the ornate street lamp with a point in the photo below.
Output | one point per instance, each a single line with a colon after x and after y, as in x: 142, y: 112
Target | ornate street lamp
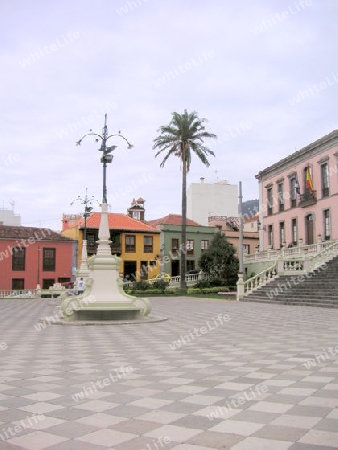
x: 106, y: 156
x: 103, y: 249
x: 83, y: 271
x: 87, y: 210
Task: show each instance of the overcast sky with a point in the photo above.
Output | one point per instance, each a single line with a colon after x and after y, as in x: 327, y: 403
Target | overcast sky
x: 264, y: 73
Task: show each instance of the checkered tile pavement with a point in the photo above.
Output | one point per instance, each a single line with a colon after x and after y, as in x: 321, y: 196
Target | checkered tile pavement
x: 215, y: 375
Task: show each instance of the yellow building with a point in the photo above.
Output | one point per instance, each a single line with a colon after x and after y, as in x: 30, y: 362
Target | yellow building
x: 135, y: 242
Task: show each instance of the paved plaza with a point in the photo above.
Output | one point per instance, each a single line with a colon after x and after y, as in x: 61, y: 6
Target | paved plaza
x: 216, y: 375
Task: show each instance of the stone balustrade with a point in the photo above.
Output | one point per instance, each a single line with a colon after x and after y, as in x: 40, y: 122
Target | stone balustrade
x: 286, y: 252
x: 18, y: 293
x: 288, y: 261
x: 260, y: 279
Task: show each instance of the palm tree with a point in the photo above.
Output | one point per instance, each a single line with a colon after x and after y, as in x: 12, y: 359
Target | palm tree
x: 184, y: 134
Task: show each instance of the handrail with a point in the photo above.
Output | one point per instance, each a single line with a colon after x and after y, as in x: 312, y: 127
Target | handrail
x: 261, y: 279
x: 286, y: 252
x: 294, y: 263
x: 322, y: 257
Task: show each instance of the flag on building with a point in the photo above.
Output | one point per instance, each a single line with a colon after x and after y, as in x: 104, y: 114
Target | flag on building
x: 308, y: 179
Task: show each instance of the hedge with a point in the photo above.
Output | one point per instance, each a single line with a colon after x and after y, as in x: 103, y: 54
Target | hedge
x: 178, y: 291
x: 208, y: 290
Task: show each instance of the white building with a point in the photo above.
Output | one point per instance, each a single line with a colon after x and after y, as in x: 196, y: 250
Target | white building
x: 211, y: 199
x: 7, y: 217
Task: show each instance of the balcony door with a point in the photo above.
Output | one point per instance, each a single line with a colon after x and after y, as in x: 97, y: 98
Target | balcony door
x: 175, y: 268
x: 309, y: 229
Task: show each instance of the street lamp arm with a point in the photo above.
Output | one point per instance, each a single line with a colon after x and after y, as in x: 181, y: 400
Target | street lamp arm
x: 121, y: 136
x: 87, y: 210
x: 88, y: 134
x: 106, y: 156
x: 106, y: 139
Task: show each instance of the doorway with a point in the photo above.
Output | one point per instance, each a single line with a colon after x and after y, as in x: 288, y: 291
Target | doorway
x: 175, y: 268
x: 309, y: 229
x: 129, y: 270
x: 144, y: 270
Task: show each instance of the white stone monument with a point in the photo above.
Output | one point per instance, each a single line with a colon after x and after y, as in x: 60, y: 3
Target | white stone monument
x: 103, y: 298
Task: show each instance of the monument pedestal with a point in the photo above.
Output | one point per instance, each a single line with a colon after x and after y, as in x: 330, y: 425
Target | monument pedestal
x: 104, y: 298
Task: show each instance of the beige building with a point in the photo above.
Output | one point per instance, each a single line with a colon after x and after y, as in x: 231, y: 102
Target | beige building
x: 230, y: 227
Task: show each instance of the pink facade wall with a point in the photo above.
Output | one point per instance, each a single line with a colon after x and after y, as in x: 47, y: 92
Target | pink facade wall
x: 34, y: 268
x: 283, y: 172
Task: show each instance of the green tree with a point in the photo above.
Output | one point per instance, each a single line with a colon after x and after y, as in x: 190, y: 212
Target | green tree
x: 183, y: 136
x: 219, y: 262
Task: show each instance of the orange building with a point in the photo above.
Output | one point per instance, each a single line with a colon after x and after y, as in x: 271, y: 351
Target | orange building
x: 31, y: 256
x: 135, y: 242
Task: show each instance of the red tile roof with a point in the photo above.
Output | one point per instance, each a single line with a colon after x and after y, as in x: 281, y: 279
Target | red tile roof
x: 251, y: 219
x: 40, y: 234
x: 172, y: 219
x: 118, y: 221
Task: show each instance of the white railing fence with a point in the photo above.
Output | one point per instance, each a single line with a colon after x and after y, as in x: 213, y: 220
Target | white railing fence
x: 189, y: 279
x: 18, y: 293
x: 173, y: 282
x: 261, y: 279
x: 286, y: 252
x: 290, y: 262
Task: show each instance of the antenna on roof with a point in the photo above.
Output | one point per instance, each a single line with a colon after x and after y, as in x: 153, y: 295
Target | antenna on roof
x: 216, y: 173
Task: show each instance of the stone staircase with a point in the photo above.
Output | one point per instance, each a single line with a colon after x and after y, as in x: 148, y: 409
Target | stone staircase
x: 316, y: 288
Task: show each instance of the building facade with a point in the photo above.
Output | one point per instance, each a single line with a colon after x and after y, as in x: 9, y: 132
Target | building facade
x: 8, y: 217
x: 211, y: 199
x: 135, y: 242
x: 34, y: 256
x: 136, y: 209
x: 299, y: 197
x: 198, y: 239
x: 230, y: 227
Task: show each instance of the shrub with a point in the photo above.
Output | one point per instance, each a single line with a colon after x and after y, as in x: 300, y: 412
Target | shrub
x: 161, y: 285
x: 172, y: 291
x: 141, y: 285
x: 208, y: 290
x: 202, y: 284
x: 150, y: 291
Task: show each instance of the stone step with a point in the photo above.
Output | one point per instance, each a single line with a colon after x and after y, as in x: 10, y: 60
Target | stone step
x: 287, y: 301
x: 291, y: 293
x: 319, y: 289
x: 300, y: 300
x: 289, y: 286
x: 314, y: 305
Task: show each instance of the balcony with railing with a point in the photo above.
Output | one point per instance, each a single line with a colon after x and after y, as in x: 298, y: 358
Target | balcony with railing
x: 116, y: 249
x: 307, y: 199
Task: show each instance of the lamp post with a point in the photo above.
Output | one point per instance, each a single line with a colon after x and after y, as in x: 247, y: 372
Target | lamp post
x: 87, y: 210
x: 103, y: 286
x: 83, y: 272
x: 106, y: 152
x: 240, y: 282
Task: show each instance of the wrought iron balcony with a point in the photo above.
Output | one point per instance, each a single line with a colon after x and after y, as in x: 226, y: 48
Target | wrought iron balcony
x: 307, y: 199
x: 116, y: 249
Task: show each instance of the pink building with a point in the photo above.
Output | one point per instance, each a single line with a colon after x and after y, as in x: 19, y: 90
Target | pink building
x: 299, y: 196
x: 34, y: 256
